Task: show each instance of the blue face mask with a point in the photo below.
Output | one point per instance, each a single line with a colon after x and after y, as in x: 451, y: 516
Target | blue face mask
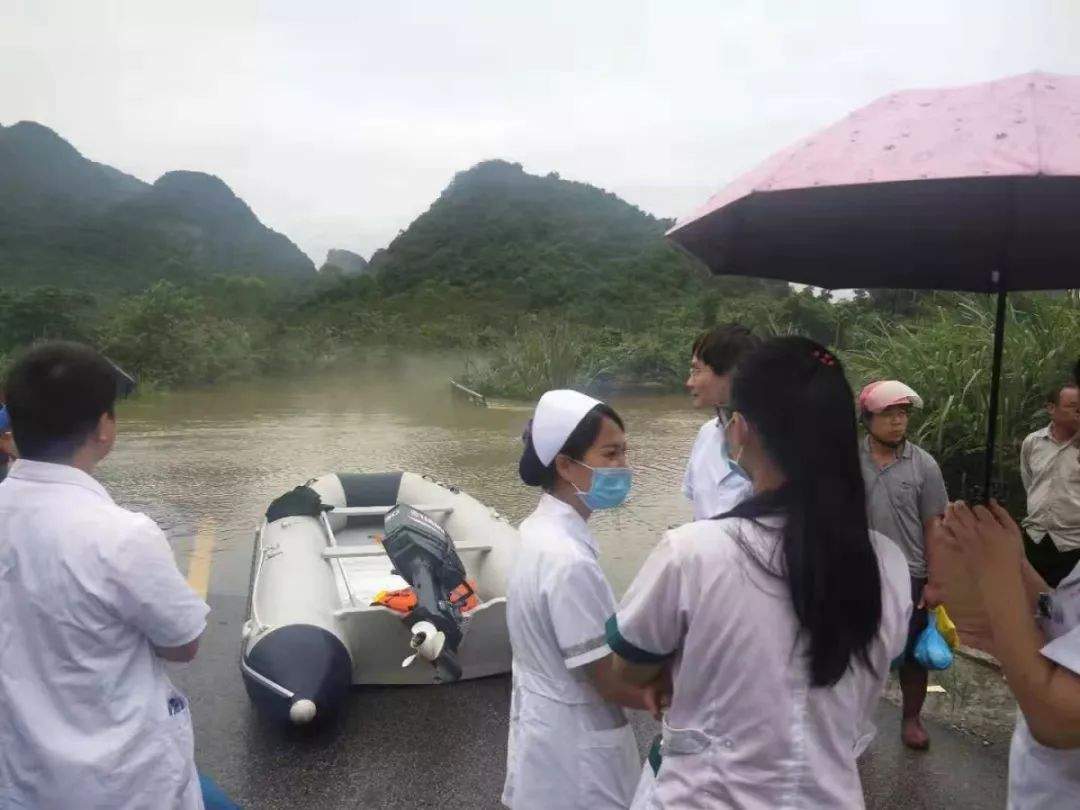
x: 609, y: 487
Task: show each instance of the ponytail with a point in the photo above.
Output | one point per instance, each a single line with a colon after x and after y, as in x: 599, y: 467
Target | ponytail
x: 808, y: 428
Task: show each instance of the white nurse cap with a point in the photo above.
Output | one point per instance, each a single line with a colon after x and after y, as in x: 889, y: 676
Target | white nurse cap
x: 557, y: 414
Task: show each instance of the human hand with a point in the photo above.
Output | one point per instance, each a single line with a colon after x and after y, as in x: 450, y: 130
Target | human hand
x: 657, y: 696
x: 932, y: 596
x: 988, y: 539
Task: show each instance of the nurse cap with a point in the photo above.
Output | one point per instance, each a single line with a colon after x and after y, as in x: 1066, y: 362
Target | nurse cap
x: 557, y: 414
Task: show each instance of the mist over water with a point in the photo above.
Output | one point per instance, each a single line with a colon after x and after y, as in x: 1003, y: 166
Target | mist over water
x: 215, y: 457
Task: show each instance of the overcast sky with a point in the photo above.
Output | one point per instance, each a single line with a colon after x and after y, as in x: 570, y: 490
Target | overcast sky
x: 339, y: 122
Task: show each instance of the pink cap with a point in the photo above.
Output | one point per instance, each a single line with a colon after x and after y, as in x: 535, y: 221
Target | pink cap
x: 878, y: 396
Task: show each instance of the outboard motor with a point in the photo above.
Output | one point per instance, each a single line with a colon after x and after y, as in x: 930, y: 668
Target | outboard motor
x: 424, y: 556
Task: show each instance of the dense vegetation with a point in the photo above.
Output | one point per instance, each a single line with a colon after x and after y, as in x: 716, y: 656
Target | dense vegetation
x: 544, y: 282
x: 68, y: 221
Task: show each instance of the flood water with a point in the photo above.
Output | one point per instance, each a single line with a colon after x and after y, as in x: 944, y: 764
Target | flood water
x: 215, y: 457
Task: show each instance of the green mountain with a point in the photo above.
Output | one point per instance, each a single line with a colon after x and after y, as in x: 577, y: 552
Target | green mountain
x: 496, y: 224
x: 501, y: 240
x: 67, y: 221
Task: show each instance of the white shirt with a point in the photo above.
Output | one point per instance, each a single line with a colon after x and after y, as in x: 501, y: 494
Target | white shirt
x: 1042, y: 778
x: 710, y: 482
x: 745, y: 729
x: 1051, y: 476
x: 567, y: 747
x: 85, y: 589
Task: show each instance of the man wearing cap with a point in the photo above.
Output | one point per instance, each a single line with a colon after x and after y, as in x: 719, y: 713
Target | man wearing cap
x: 906, y: 498
x: 91, y: 603
x: 1049, y: 472
x: 7, y: 443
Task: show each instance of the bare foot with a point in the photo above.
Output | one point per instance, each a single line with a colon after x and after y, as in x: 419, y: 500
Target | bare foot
x: 914, y: 735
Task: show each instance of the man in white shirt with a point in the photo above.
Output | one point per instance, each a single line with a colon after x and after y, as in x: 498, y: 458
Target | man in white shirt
x: 91, y: 602
x: 1051, y: 477
x: 713, y: 481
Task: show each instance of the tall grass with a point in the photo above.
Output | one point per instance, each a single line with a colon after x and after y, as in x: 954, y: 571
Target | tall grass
x: 947, y: 359
x: 536, y: 359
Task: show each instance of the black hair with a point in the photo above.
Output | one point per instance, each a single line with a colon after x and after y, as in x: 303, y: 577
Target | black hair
x: 577, y: 444
x: 724, y: 346
x: 1053, y: 396
x: 828, y: 561
x: 56, y: 394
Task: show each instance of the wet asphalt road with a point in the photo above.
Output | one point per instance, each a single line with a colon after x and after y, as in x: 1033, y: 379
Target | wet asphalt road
x: 427, y: 747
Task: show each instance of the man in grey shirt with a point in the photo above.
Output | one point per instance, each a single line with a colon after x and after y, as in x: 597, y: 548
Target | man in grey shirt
x: 905, y: 499
x: 1051, y: 476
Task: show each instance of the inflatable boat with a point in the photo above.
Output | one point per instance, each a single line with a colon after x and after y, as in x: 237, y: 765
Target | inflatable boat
x: 388, y: 578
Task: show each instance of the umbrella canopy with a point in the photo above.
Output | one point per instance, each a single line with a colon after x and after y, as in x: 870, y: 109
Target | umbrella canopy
x: 974, y: 188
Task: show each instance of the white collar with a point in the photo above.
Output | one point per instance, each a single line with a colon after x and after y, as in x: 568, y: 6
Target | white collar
x: 1046, y: 434
x: 44, y: 472
x: 572, y: 522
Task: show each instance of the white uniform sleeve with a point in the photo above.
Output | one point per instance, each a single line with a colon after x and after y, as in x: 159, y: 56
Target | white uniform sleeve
x: 149, y: 591
x: 653, y: 616
x: 1065, y: 650
x: 688, y: 480
x: 579, y: 602
x: 688, y: 476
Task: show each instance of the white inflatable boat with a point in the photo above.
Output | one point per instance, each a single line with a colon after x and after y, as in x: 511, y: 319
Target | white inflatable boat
x: 325, y: 558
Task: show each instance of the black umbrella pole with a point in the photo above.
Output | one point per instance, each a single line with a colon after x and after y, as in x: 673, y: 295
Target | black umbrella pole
x: 995, y: 388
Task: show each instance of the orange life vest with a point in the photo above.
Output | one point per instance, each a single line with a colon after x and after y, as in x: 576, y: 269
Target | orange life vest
x: 404, y: 600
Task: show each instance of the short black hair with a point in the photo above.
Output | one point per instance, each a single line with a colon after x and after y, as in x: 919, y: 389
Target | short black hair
x: 536, y: 474
x: 1053, y: 396
x: 723, y: 347
x: 56, y: 394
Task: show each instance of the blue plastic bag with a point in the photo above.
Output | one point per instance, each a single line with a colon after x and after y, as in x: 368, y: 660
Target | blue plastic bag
x: 214, y: 797
x: 932, y: 651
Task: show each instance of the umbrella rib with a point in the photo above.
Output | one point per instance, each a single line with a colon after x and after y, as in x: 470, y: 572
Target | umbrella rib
x: 1035, y: 124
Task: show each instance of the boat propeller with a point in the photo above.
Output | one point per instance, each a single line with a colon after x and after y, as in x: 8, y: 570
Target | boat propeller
x: 427, y: 641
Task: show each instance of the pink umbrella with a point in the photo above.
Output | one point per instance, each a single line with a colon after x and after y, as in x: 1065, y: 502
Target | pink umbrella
x: 973, y: 188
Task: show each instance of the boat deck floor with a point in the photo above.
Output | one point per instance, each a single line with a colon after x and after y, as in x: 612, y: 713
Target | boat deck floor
x: 364, y: 577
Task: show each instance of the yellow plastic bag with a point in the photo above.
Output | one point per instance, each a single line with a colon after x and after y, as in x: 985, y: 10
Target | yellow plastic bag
x: 946, y: 627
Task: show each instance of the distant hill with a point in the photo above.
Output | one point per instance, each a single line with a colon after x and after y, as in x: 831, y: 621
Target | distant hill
x: 349, y: 263
x: 68, y: 221
x: 541, y: 242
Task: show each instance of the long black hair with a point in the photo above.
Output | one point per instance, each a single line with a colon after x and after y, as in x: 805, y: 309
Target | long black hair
x: 794, y: 394
x: 577, y: 444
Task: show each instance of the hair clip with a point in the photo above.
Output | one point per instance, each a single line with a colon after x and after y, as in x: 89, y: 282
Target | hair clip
x: 824, y: 357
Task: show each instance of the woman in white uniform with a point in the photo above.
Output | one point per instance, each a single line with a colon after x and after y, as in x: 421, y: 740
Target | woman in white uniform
x: 570, y: 746
x: 780, y: 618
x: 1037, y: 641
x: 1038, y: 646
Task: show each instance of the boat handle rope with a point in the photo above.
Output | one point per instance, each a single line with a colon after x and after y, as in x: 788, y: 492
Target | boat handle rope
x: 259, y: 626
